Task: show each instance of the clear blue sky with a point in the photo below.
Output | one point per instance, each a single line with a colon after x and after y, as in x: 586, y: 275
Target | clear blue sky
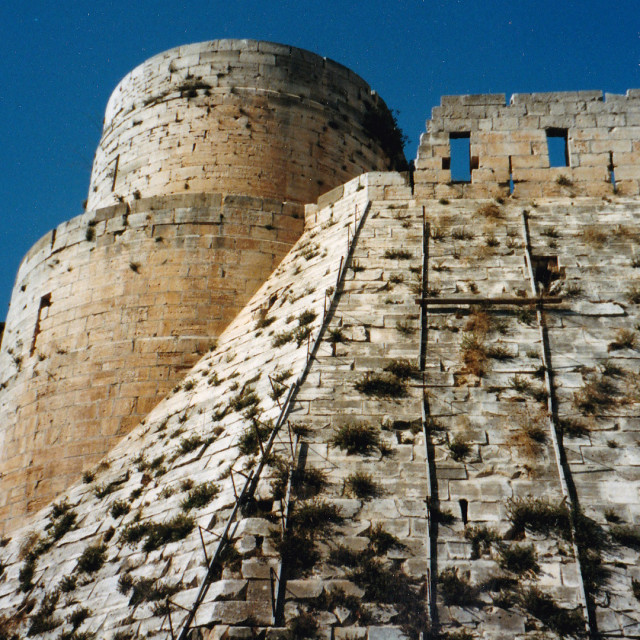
x: 60, y: 61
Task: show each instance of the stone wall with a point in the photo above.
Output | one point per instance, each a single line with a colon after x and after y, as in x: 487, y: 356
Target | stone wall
x: 509, y: 143
x: 454, y: 504
x: 207, y: 154
x: 238, y: 116
x: 109, y: 311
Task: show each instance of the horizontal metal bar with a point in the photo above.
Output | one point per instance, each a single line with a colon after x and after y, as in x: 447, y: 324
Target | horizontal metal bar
x: 500, y: 300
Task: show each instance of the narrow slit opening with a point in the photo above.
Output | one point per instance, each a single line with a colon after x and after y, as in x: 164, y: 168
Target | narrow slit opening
x: 460, y: 144
x: 45, y: 301
x: 612, y: 173
x: 464, y: 508
x: 510, y: 176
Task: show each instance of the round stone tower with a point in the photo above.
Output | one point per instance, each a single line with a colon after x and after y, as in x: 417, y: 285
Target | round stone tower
x: 208, y: 153
x: 243, y: 117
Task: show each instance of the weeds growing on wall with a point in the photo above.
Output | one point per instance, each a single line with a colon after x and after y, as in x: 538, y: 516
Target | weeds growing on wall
x: 539, y: 516
x: 625, y: 339
x: 356, y: 438
x: 145, y: 589
x: 459, y: 449
x: 518, y: 559
x: 382, y: 125
x: 456, y: 590
x: 481, y: 539
x: 361, y: 485
x: 43, y: 619
x: 200, y: 496
x: 302, y: 625
x: 253, y: 435
x: 563, y: 621
x: 490, y: 210
x: 398, y: 254
x: 381, y: 384
x: 157, y: 534
x: 474, y: 354
x: 92, y: 558
x: 306, y: 482
x: 597, y: 394
x: 119, y: 508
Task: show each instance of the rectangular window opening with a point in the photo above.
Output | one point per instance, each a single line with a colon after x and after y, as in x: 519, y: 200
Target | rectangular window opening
x: 460, y: 143
x: 558, y: 147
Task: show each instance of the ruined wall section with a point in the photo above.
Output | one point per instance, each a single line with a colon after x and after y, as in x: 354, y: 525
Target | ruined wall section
x: 109, y: 311
x: 508, y: 145
x: 242, y: 117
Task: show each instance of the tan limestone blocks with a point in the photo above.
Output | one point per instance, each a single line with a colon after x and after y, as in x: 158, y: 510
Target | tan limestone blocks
x: 237, y: 116
x: 509, y: 145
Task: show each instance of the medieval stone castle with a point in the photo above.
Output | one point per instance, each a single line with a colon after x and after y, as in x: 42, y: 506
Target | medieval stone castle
x: 276, y: 383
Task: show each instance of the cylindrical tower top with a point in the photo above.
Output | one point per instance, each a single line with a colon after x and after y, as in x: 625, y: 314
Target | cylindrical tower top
x: 240, y: 117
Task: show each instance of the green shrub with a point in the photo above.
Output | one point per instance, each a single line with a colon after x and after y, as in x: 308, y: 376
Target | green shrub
x: 481, y: 539
x: 626, y: 535
x: 563, y: 621
x: 361, y: 485
x: 249, y: 442
x: 381, y: 384
x: 43, y: 619
x: 200, y: 496
x: 456, y: 590
x: 92, y: 558
x: 538, y: 515
x: 356, y: 438
x: 518, y: 559
x: 119, y: 508
x: 402, y: 369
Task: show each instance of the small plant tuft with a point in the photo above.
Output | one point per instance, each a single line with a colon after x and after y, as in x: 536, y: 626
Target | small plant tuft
x: 361, y: 485
x: 538, y: 515
x: 459, y: 449
x: 518, y: 559
x: 398, y: 254
x: 356, y: 438
x: 456, y: 590
x: 200, y: 496
x: 92, y: 558
x: 381, y: 384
